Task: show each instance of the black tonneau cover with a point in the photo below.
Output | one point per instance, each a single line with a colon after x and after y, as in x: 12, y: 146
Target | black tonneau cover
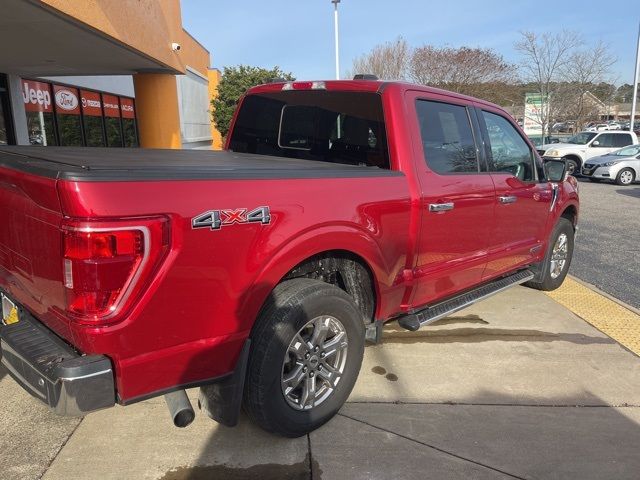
x: 135, y: 164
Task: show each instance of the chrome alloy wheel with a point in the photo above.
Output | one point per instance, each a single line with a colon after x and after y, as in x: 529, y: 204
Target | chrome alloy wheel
x: 559, y: 255
x: 626, y: 177
x: 314, y: 362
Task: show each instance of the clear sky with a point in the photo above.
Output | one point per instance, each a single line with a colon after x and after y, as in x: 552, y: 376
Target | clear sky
x: 297, y: 35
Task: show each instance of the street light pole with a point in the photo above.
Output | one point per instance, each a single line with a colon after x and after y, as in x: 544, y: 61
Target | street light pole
x: 335, y: 25
x: 635, y: 84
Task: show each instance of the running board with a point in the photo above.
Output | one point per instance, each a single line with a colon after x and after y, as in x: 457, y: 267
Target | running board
x: 414, y: 321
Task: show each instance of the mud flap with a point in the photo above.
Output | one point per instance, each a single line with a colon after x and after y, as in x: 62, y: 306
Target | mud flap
x: 222, y: 400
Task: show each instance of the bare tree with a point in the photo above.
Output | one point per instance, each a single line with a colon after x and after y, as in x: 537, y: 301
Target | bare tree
x: 544, y: 59
x: 387, y: 61
x: 584, y: 70
x: 478, y: 72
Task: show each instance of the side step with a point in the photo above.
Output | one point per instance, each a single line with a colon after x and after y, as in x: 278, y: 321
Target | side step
x: 414, y: 321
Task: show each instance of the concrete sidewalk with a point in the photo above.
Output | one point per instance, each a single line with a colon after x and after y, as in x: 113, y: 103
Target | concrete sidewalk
x: 514, y: 387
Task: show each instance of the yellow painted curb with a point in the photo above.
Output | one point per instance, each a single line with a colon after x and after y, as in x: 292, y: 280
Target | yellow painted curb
x: 611, y: 318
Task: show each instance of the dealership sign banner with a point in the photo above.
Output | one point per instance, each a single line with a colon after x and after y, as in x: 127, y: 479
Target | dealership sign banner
x: 37, y: 96
x: 111, y: 106
x: 91, y: 104
x: 535, y: 105
x: 126, y: 105
x: 67, y: 102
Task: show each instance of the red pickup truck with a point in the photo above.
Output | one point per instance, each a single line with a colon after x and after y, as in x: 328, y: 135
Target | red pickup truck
x: 258, y: 273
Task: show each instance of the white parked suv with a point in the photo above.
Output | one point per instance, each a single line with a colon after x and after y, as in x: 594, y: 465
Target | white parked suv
x: 585, y: 145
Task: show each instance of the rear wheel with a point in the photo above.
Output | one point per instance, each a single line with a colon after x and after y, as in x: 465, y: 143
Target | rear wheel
x: 558, y: 258
x: 626, y: 176
x: 308, y: 345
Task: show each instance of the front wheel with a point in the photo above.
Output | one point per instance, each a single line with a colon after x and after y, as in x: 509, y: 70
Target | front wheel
x: 626, y: 176
x: 572, y: 166
x: 558, y: 258
x: 307, y: 349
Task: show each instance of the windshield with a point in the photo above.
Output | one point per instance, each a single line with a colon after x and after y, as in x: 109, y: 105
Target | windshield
x: 631, y: 151
x: 337, y: 127
x: 582, y: 138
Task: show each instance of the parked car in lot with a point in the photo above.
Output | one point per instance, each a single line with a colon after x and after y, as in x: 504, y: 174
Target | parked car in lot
x: 621, y: 166
x: 258, y: 272
x: 598, y: 128
x: 537, y: 140
x: 586, y: 145
x: 563, y: 127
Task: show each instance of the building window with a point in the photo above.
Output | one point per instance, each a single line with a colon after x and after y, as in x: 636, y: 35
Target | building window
x: 68, y: 116
x: 38, y: 105
x: 92, y: 118
x: 112, y: 120
x: 129, y: 129
x: 65, y: 115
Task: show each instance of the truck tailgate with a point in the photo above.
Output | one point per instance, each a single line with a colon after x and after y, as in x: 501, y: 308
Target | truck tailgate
x: 30, y: 245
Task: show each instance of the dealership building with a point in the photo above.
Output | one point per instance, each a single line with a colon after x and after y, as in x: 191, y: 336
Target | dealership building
x: 102, y: 73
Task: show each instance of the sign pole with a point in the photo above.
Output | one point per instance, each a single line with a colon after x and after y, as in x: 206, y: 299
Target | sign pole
x: 635, y: 85
x: 336, y: 36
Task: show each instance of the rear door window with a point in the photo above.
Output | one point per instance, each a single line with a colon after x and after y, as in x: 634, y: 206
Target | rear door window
x: 622, y: 140
x: 447, y: 138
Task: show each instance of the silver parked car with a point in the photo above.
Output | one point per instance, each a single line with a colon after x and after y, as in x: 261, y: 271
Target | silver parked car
x: 622, y: 166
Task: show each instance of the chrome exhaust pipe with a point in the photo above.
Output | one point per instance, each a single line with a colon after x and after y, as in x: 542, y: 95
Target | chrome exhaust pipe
x: 180, y: 408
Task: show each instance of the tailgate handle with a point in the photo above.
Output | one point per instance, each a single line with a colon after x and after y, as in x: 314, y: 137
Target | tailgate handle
x: 440, y: 207
x: 508, y: 199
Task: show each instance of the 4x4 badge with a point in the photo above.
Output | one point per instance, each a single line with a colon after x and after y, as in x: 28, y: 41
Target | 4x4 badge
x: 216, y: 219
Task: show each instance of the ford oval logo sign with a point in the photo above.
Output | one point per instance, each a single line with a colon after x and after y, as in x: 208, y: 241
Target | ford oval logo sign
x: 66, y: 100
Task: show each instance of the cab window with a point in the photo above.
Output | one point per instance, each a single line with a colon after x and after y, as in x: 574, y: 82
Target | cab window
x: 508, y: 152
x: 447, y: 138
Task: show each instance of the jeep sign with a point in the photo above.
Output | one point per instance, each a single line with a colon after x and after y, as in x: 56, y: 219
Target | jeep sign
x: 36, y: 96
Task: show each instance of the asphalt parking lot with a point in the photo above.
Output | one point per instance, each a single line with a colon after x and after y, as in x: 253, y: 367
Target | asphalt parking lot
x: 607, y: 252
x: 517, y: 386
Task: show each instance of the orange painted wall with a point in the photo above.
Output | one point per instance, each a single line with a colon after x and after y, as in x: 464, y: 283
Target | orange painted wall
x: 150, y: 27
x: 214, y: 79
x: 157, y: 110
x: 125, y: 21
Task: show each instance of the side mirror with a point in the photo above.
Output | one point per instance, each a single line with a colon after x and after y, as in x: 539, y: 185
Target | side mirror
x: 596, y: 143
x: 555, y: 170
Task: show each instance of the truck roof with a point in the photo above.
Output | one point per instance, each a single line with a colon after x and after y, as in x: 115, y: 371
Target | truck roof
x: 363, y: 86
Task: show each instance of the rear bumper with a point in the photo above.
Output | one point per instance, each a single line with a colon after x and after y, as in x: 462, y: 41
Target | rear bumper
x: 46, y: 367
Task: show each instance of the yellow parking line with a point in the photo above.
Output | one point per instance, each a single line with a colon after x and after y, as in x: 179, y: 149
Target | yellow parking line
x: 611, y: 318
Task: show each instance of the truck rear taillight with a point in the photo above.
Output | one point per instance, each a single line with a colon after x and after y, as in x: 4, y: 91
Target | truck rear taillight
x: 107, y: 264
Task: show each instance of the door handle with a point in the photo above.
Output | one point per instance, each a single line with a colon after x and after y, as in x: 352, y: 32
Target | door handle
x: 440, y: 207
x: 508, y: 199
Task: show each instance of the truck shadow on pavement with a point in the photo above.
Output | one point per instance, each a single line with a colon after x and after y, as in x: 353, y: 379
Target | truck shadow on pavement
x: 394, y: 334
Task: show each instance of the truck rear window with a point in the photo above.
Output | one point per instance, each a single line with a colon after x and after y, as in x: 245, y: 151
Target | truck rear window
x: 338, y: 127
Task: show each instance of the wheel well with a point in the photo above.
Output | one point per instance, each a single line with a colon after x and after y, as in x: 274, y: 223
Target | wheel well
x: 571, y: 214
x: 345, y: 270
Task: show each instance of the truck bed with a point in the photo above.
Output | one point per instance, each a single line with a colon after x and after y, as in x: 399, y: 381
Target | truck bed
x: 136, y: 164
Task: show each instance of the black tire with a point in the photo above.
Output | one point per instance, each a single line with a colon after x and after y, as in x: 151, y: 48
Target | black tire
x: 291, y: 305
x: 547, y: 282
x: 624, y: 180
x: 573, y: 167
